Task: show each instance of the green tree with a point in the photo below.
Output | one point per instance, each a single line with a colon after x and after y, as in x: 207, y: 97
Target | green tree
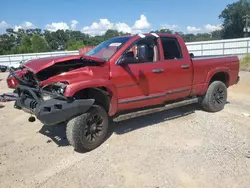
x: 26, y: 46
x: 61, y: 38
x: 189, y: 37
x: 39, y: 44
x: 7, y: 43
x: 111, y: 33
x: 19, y: 36
x: 51, y: 39
x: 216, y: 35
x: 74, y: 45
x: 232, y: 17
x: 163, y: 31
x: 166, y: 31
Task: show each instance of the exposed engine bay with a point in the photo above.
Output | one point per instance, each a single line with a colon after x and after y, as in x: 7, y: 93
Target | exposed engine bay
x: 65, y: 66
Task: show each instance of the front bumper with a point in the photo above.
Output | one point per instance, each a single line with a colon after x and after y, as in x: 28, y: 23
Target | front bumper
x: 52, y: 111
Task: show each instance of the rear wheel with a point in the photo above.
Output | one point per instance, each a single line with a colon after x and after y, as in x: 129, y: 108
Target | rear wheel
x: 215, y: 98
x: 89, y: 130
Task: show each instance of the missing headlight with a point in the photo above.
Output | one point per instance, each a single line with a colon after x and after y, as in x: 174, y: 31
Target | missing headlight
x: 59, y: 87
x: 56, y: 88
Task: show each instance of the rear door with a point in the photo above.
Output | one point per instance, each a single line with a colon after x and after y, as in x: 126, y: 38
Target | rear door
x: 179, y: 70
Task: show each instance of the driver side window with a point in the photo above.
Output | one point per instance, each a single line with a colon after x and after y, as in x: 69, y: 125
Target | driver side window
x: 151, y: 50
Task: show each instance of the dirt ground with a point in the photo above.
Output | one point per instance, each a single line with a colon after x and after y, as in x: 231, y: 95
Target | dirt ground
x: 180, y: 148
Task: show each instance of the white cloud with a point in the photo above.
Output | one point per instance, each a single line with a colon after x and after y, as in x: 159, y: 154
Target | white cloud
x: 28, y: 25
x: 142, y: 23
x: 210, y: 27
x: 57, y: 25
x: 24, y: 25
x: 73, y: 24
x: 171, y: 27
x: 193, y: 29
x: 3, y: 24
x: 122, y: 27
x: 99, y: 28
x: 17, y: 27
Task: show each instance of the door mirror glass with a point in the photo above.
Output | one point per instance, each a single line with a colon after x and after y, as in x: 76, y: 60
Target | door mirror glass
x: 127, y: 60
x: 142, y: 52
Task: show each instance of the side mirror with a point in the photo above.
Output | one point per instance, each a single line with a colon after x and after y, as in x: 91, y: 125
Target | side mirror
x: 127, y: 60
x: 191, y: 55
x: 142, y: 51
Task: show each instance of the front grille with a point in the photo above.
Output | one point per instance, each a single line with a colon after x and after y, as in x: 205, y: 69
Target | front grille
x: 33, y: 104
x: 29, y: 78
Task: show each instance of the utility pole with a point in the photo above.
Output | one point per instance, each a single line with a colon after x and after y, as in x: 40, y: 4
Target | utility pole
x: 247, y: 26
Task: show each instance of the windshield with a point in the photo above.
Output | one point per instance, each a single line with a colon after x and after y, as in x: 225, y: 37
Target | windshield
x: 106, y: 49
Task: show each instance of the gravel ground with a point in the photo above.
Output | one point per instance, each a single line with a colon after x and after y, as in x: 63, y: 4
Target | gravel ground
x: 180, y: 148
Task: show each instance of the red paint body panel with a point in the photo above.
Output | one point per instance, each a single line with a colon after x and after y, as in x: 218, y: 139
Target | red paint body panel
x: 12, y: 82
x: 137, y: 85
x: 81, y: 74
x: 205, y: 68
x: 37, y: 65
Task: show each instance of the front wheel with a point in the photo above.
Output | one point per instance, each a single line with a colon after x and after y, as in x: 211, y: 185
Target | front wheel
x: 89, y: 130
x: 215, y: 98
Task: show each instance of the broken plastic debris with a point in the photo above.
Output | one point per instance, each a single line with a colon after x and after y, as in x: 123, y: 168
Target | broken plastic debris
x: 8, y: 97
x: 247, y: 154
x: 246, y: 114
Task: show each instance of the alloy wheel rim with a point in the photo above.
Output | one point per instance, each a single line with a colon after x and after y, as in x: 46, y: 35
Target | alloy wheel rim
x: 219, y: 96
x: 93, y: 128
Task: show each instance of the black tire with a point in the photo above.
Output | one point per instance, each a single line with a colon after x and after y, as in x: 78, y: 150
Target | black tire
x: 89, y: 130
x: 3, y: 69
x: 215, y: 98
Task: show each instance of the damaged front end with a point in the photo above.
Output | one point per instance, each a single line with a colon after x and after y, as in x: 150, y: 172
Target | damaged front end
x: 48, y: 104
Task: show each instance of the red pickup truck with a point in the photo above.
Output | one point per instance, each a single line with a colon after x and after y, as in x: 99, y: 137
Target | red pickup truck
x: 121, y: 74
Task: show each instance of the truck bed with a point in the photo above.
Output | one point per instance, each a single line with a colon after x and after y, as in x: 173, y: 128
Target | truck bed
x: 205, y: 66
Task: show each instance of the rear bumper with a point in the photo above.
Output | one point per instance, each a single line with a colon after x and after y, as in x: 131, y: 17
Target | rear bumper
x: 52, y: 111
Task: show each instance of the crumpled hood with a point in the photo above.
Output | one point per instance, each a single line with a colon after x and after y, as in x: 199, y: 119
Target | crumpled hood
x: 37, y: 65
x: 81, y: 74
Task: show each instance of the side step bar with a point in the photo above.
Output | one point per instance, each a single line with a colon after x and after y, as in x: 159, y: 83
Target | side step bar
x: 139, y: 113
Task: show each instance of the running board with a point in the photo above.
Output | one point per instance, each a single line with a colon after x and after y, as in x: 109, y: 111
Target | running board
x: 156, y: 109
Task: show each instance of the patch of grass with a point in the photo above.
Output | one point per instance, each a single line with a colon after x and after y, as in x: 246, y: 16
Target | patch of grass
x: 245, y: 63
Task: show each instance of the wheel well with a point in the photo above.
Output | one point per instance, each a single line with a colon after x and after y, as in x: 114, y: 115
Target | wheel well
x: 221, y: 76
x: 100, y: 94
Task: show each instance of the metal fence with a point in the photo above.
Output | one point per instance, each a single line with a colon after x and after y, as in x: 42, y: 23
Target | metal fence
x: 205, y: 48
x: 220, y: 47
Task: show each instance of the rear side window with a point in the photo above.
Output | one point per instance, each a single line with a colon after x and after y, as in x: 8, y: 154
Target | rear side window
x: 171, y: 48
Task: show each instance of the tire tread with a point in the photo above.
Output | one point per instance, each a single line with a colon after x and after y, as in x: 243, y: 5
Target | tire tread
x: 74, y: 127
x: 207, y: 102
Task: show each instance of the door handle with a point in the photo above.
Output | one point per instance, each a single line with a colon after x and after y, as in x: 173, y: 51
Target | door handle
x: 185, y: 66
x: 157, y: 70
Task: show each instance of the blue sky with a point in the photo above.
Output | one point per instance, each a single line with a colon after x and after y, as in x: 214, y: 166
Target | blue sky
x: 96, y: 16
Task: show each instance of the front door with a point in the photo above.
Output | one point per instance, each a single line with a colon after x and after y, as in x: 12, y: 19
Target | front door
x: 141, y: 83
